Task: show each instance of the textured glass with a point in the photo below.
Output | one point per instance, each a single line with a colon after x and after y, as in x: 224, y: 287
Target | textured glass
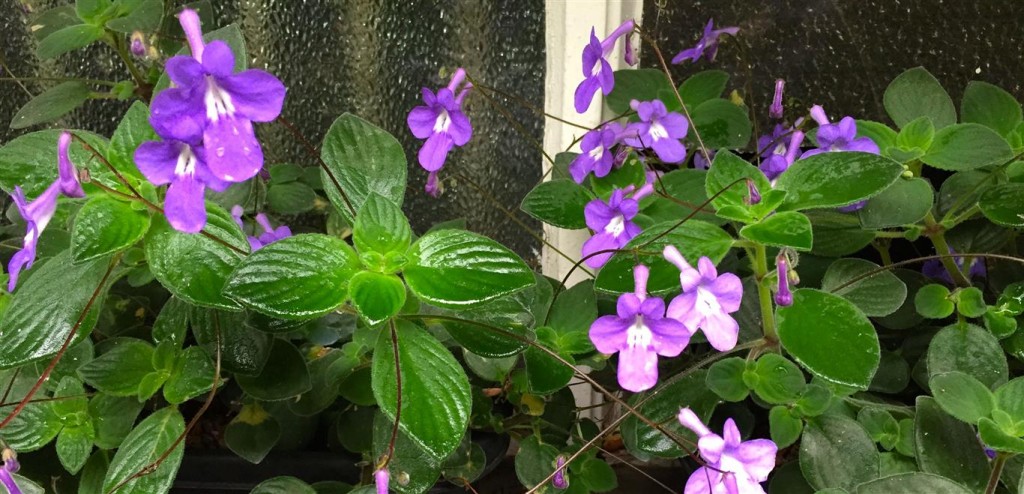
x: 842, y: 54
x: 370, y: 58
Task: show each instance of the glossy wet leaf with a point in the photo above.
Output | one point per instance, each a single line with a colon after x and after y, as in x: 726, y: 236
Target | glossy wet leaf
x: 837, y: 234
x: 147, y: 442
x: 104, y: 226
x: 284, y: 376
x: 30, y: 162
x: 916, y: 93
x: 243, y: 350
x: 877, y: 294
x: 968, y: 349
x: 113, y: 418
x: 835, y: 451
x: 362, y: 158
x: 785, y: 229
x: 119, y: 371
x: 52, y: 104
x: 381, y: 227
x: 192, y: 376
x: 829, y: 180
x: 377, y: 296
x: 409, y: 459
x: 948, y: 447
x: 133, y: 130
x: 252, y: 433
x: 645, y: 441
x: 725, y: 378
x: 1003, y: 204
x: 559, y: 203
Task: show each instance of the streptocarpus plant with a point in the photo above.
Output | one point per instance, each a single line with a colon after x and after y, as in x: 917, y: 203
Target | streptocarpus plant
x: 734, y: 288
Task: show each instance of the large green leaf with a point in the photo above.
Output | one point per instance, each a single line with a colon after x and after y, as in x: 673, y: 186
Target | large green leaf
x: 990, y: 106
x: 1003, y: 204
x: 381, y: 227
x: 244, y: 350
x: 143, y: 446
x: 105, y: 225
x: 962, y: 396
x: 195, y: 267
x: 916, y: 93
x: 119, y: 371
x: 363, y: 158
x: 192, y: 375
x: 298, y: 277
x: 703, y: 86
x: 966, y: 147
x: 694, y: 239
x: 52, y: 104
x: 785, y: 229
x: 836, y: 452
x: 408, y: 457
x: 645, y: 441
x: 511, y: 313
x: 133, y: 130
x: 948, y: 447
x: 686, y: 186
x: 820, y: 329
x: 638, y: 84
x: 721, y: 124
x: 905, y: 202
x: 837, y: 234
x: 436, y: 398
x: 112, y: 418
x: 284, y: 376
x: 48, y: 305
x: 879, y: 294
x: 458, y: 269
x: 829, y: 180
x: 969, y: 349
x: 559, y: 203
x: 913, y: 482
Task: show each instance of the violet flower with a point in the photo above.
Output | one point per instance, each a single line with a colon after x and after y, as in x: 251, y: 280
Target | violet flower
x: 707, y: 46
x: 441, y: 122
x: 597, y: 72
x: 934, y: 269
x: 707, y: 300
x: 612, y: 224
x: 560, y: 481
x: 783, y: 296
x: 597, y: 156
x: 381, y: 479
x: 702, y: 161
x: 753, y: 195
x: 775, y: 110
x: 639, y: 332
x: 269, y: 235
x: 213, y: 105
x: 777, y: 153
x: 658, y: 129
x: 137, y: 45
x: 185, y: 168
x: 733, y: 466
x: 840, y: 136
x: 10, y: 467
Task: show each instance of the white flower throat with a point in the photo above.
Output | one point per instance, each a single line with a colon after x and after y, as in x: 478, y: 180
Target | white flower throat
x: 218, y: 101
x: 616, y: 226
x: 657, y: 131
x: 186, y: 165
x: 638, y: 334
x: 443, y: 122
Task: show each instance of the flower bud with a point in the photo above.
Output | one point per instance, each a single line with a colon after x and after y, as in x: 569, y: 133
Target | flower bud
x: 138, y: 45
x: 560, y: 481
x: 783, y: 297
x: 775, y: 111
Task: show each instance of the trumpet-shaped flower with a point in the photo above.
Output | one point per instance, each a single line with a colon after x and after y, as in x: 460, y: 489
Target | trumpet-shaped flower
x: 658, y: 129
x: 441, y: 122
x: 561, y: 480
x: 707, y: 46
x: 269, y: 235
x: 214, y: 105
x: 7, y: 471
x: 733, y: 466
x: 707, y: 300
x: 381, y: 479
x: 185, y: 168
x: 597, y: 72
x: 840, y: 136
x: 775, y: 110
x: 639, y: 332
x: 777, y: 152
x: 597, y: 156
x: 783, y: 296
x: 612, y: 223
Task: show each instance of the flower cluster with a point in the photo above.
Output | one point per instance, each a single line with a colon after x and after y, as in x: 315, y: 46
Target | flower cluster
x: 205, y: 125
x: 38, y: 213
x: 442, y: 123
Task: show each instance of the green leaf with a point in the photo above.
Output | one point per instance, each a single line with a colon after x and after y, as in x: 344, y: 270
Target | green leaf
x: 194, y: 267
x: 87, y: 10
x: 455, y: 268
x: 133, y: 130
x: 361, y: 158
x: 969, y: 349
x: 694, y: 239
x: 192, y: 376
x: 916, y: 93
x: 283, y: 485
x: 74, y: 444
x: 1010, y: 399
x: 421, y: 469
x: 252, y: 433
x: 105, y: 225
x: 837, y: 234
x: 725, y: 178
x: 971, y: 302
x: 1003, y: 204
x: 638, y: 84
x: 325, y: 371
x: 966, y: 147
x: 298, y: 277
x: 775, y: 379
x: 143, y: 446
x: 436, y: 398
x: 244, y: 350
x: 829, y: 180
x: 598, y: 475
x: 511, y: 313
x: 284, y: 376
x: 948, y: 447
x: 559, y: 203
x: 785, y: 428
x: 990, y: 106
x: 51, y: 20
x: 879, y: 294
x: 48, y: 305
x: 571, y: 315
x: 994, y: 437
x: 883, y: 136
x: 112, y: 418
x: 962, y: 396
x: 911, y: 482
x: 29, y: 161
x: 932, y: 301
x: 544, y: 373
x: 381, y: 227
x: 917, y: 134
x: 377, y: 296
x: 785, y: 229
x: 703, y: 86
x: 645, y: 441
x: 145, y: 17
x: 837, y: 452
x: 686, y: 186
x: 725, y: 378
x: 119, y: 371
x: 67, y: 39
x: 905, y: 202
x: 722, y: 124
x: 819, y: 330
x: 51, y: 104
x: 534, y: 462
x: 291, y: 198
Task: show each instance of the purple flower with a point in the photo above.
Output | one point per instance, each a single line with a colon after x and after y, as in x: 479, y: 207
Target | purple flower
x: 639, y: 332
x: 777, y: 154
x: 185, y: 168
x: 561, y: 481
x: 707, y: 300
x: 753, y: 195
x: 381, y: 479
x: 702, y: 161
x: 733, y: 466
x: 441, y: 122
x: 597, y: 72
x: 597, y: 155
x: 612, y: 225
x: 707, y: 46
x: 66, y: 174
x: 840, y: 136
x: 783, y: 296
x: 934, y: 269
x: 269, y: 235
x: 138, y: 44
x: 213, y: 105
x: 775, y: 110
x: 658, y: 129
x: 10, y: 467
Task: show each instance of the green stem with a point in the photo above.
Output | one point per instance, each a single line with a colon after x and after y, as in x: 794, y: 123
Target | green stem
x: 122, y: 51
x: 997, y: 470
x: 938, y: 236
x: 764, y: 295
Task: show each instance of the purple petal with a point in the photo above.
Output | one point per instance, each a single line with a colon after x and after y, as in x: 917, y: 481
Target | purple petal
x: 629, y: 208
x: 703, y: 481
x: 691, y: 54
x: 675, y: 124
x: 628, y: 306
x: 847, y: 128
x: 758, y: 457
x: 691, y: 421
x: 256, y: 94
x: 232, y: 151
x: 638, y: 369
x: 460, y: 128
x: 653, y: 307
x: 863, y: 145
x: 711, y: 447
x: 435, y: 151
x: 670, y: 336
x: 22, y: 259
x: 599, y: 242
x: 731, y: 434
x: 184, y: 205
x: 585, y: 94
x: 184, y: 71
x: 432, y: 185
x: 580, y: 167
x: 721, y: 330
x: 598, y: 214
x: 179, y: 114
x: 381, y: 480
x: 707, y: 269
x: 819, y: 115
x: 8, y: 482
x: 421, y: 121
x: 67, y: 176
x: 608, y: 333
x: 669, y: 150
x: 681, y: 308
x: 728, y: 290
x: 606, y: 77
x: 218, y: 60
x: 157, y: 160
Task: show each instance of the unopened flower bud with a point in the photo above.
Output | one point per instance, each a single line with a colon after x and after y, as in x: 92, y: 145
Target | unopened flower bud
x: 381, y: 479
x: 560, y: 481
x: 753, y: 195
x: 138, y: 44
x: 783, y: 297
x: 631, y: 55
x: 775, y: 111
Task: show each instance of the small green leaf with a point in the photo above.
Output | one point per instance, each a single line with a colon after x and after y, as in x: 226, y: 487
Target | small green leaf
x: 722, y: 124
x: 544, y: 373
x: 1003, y: 204
x: 966, y: 147
x: 994, y: 437
x: 775, y: 379
x: 112, y: 418
x: 880, y: 425
x: 725, y: 378
x: 105, y: 225
x: 905, y: 202
x: 558, y: 202
x: 638, y: 84
x: 535, y: 461
x: 703, y: 86
x: 298, y: 277
x: 785, y: 428
x: 51, y: 104
x: 1010, y: 399
x: 381, y: 227
x: 192, y: 375
x: 829, y: 180
x: 916, y: 93
x: 879, y: 294
x: 145, y: 17
x: 283, y: 485
x: 291, y: 198
x: 836, y: 452
x: 971, y: 350
x: 971, y: 302
x: 361, y: 158
x: 686, y: 187
x: 785, y: 229
x: 725, y: 183
x: 598, y: 475
x: 932, y: 301
x: 150, y: 440
x: 962, y: 396
x: 990, y: 106
x: 119, y: 371
x: 74, y: 444
x: 284, y: 376
x: 918, y: 134
x: 880, y: 133
x: 458, y: 269
x: 819, y: 329
x: 377, y: 296
x: 67, y: 39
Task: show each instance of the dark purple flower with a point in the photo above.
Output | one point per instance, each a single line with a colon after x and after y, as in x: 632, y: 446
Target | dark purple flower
x: 216, y: 107
x: 597, y: 72
x: 658, y: 129
x: 10, y: 467
x: 441, y: 122
x: 753, y: 195
x: 630, y: 56
x: 612, y: 225
x: 66, y: 174
x: 840, y: 136
x: 269, y: 235
x: 778, y: 153
x: 561, y: 481
x: 775, y: 111
x: 934, y: 268
x: 597, y: 155
x: 732, y: 466
x: 707, y: 46
x: 185, y: 168
x: 703, y: 161
x: 783, y: 296
x: 639, y: 332
x: 138, y: 44
x: 707, y: 300
x: 381, y: 479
